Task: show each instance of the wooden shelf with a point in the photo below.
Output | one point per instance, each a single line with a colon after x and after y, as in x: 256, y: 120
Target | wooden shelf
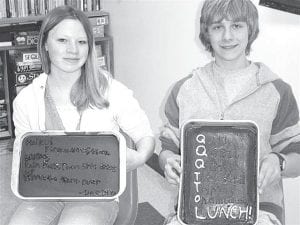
x: 20, y: 20
x: 6, y: 145
x: 5, y: 48
x: 36, y: 19
x: 4, y: 134
x: 106, y: 38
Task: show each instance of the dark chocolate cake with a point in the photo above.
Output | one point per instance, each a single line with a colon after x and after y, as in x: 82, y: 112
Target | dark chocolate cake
x: 74, y: 166
x: 220, y: 170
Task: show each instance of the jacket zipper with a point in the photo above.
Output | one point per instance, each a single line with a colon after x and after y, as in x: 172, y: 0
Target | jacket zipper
x: 222, y: 113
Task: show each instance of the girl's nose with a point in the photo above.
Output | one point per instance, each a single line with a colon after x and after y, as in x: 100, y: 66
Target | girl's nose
x: 72, y: 47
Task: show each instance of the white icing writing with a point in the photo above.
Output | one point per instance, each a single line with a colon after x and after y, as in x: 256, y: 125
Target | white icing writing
x: 228, y: 211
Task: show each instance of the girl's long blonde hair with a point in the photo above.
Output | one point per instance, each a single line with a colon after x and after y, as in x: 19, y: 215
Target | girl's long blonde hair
x: 91, y: 87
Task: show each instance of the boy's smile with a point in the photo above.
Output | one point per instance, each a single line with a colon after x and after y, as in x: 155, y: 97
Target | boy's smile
x: 229, y: 40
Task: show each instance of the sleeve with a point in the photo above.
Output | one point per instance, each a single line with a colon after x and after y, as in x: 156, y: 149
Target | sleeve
x: 285, y: 134
x: 128, y: 113
x: 170, y: 134
x: 20, y: 117
x: 21, y: 124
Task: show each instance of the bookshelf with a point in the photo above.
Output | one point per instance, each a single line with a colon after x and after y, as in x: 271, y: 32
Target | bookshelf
x: 38, y: 18
x: 14, y: 71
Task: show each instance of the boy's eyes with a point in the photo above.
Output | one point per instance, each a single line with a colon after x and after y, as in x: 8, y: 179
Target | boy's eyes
x: 237, y: 25
x: 216, y: 27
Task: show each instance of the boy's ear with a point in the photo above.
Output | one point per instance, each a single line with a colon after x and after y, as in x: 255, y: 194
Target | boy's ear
x: 46, y: 46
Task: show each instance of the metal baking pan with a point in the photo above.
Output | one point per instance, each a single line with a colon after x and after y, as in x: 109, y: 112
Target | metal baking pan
x: 218, y: 185
x: 57, y: 165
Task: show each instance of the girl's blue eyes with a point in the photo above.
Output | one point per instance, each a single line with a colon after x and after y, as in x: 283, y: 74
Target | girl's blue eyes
x: 62, y: 40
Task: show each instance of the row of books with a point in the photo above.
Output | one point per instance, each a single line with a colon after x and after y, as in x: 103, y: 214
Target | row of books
x: 25, y: 65
x: 3, y: 109
x: 23, y: 8
x: 101, y: 58
x: 31, y: 37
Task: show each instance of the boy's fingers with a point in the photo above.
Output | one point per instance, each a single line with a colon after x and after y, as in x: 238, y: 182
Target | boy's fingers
x: 171, y: 172
x: 177, y: 167
x: 261, y: 177
x: 171, y: 177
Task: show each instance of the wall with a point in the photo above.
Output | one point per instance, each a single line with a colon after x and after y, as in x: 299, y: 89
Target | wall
x: 156, y: 43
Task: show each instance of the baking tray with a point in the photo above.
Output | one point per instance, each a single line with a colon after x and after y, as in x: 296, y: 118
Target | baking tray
x: 218, y: 185
x: 76, y: 165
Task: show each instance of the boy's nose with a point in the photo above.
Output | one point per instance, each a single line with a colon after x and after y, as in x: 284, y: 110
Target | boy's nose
x: 227, y: 35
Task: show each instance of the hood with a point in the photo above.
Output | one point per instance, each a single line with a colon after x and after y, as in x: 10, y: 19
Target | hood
x: 263, y: 76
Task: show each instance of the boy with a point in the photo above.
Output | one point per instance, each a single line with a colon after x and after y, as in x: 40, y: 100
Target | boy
x: 233, y: 88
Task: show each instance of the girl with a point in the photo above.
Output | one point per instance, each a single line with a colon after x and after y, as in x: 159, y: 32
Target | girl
x: 74, y: 94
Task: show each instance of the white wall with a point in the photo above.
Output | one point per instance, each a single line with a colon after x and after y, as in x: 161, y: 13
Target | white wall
x: 156, y: 43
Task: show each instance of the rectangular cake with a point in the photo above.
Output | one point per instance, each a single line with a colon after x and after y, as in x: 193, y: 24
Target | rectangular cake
x: 71, y: 166
x: 219, y: 181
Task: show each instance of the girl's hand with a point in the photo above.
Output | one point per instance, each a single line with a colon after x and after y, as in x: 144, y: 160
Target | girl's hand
x: 145, y: 148
x: 269, y: 172
x: 173, y: 169
x: 134, y: 159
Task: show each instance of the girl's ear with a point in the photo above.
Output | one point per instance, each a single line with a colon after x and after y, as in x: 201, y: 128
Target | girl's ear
x: 46, y: 46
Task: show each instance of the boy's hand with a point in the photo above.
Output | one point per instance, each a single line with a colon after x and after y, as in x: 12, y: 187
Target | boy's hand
x: 269, y: 172
x: 173, y: 169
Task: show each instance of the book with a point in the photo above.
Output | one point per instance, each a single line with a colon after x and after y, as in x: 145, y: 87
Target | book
x: 4, y: 133
x: 6, y: 39
x: 25, y: 64
x: 29, y: 55
x: 26, y: 78
x: 101, y: 61
x: 99, y: 20
x: 2, y: 9
x: 2, y: 104
x: 12, y: 8
x: 26, y: 38
x: 89, y: 5
x: 98, y: 49
x: 5, y: 43
x: 98, y: 31
x: 3, y: 114
x: 96, y: 5
x: 22, y: 67
x: 3, y: 123
x: 23, y: 8
x: 84, y: 5
x: 18, y: 56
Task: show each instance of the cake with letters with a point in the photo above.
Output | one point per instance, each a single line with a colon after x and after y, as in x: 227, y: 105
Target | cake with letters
x: 219, y: 173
